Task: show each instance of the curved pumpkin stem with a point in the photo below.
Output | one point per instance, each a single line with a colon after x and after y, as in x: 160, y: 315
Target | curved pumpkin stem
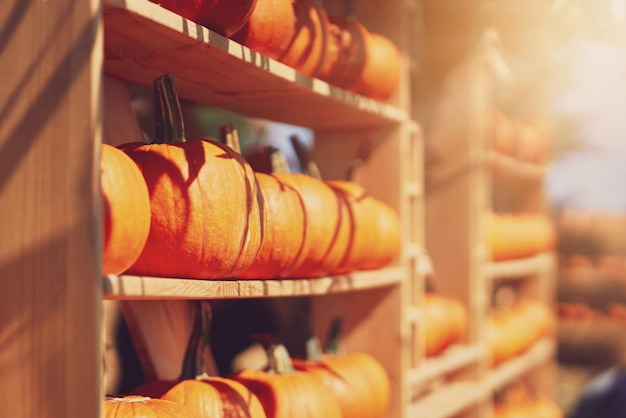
x: 194, y: 366
x: 332, y: 344
x: 308, y: 165
x: 278, y: 163
x: 170, y: 127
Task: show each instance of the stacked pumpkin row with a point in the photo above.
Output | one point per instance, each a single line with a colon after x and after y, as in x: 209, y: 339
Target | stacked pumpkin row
x: 301, y: 34
x: 445, y: 323
x: 512, y: 330
x: 324, y: 384
x: 196, y: 209
x: 519, y: 402
x: 525, y: 140
x: 518, y: 235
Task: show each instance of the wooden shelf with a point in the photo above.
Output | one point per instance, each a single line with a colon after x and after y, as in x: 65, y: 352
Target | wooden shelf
x: 144, y: 41
x: 453, y: 359
x: 447, y: 401
x: 538, y: 354
x: 515, y: 269
x: 507, y: 167
x: 126, y: 287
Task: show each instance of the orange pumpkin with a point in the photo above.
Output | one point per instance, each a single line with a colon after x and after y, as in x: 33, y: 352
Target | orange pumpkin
x: 223, y: 16
x: 380, y: 76
x: 287, y: 393
x: 306, y: 51
x: 208, y: 397
x: 207, y: 212
x: 269, y: 28
x: 284, y: 245
x: 345, y: 52
x: 363, y: 224
x: 387, y: 239
x: 357, y: 379
x: 502, y: 133
x: 327, y: 232
x: 126, y: 210
x: 132, y: 406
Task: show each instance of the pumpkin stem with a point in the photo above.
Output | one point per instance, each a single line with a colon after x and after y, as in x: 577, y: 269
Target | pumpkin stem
x: 332, y: 344
x: 279, y: 360
x: 277, y: 160
x: 170, y: 127
x: 230, y: 137
x: 308, y: 165
x: 312, y: 345
x: 194, y: 361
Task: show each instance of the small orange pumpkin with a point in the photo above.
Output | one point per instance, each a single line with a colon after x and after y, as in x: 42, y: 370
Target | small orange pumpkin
x: 206, y: 396
x: 284, y: 245
x: 126, y: 210
x: 386, y: 240
x: 381, y: 72
x: 133, y: 406
x: 357, y: 379
x: 306, y: 51
x: 269, y: 28
x: 223, y: 16
x: 363, y: 224
x: 287, y: 393
x: 207, y: 212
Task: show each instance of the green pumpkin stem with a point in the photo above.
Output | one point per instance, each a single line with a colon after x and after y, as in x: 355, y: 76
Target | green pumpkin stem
x: 170, y: 127
x: 334, y: 334
x: 199, y: 344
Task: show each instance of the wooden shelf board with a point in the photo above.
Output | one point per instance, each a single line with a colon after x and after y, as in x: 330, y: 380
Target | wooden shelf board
x: 127, y: 287
x: 143, y: 41
x: 506, y: 166
x: 447, y: 401
x: 453, y: 359
x: 517, y: 367
x: 515, y: 269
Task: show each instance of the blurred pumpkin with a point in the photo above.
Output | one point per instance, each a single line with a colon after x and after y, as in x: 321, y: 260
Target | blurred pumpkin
x: 222, y: 16
x: 306, y: 51
x: 269, y: 28
x: 285, y: 392
x: 126, y: 210
x: 132, y: 406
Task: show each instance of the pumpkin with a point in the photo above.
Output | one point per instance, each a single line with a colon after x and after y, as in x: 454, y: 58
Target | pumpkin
x: 132, y: 406
x: 345, y: 52
x: 284, y: 245
x: 207, y: 211
x: 306, y: 51
x: 445, y: 322
x: 126, y: 210
x: 287, y: 393
x: 357, y: 379
x: 222, y: 16
x: 363, y: 223
x: 387, y: 239
x: 380, y: 76
x: 502, y: 133
x: 269, y: 28
x: 206, y: 396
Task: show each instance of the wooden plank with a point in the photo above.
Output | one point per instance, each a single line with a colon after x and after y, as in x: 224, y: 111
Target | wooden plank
x: 144, y: 40
x: 448, y: 401
x: 544, y: 263
x: 453, y: 359
x: 540, y: 353
x: 50, y: 307
x: 126, y: 287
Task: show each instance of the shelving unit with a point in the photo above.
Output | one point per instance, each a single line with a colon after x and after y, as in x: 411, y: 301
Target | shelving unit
x: 65, y: 93
x: 67, y: 85
x: 464, y: 180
